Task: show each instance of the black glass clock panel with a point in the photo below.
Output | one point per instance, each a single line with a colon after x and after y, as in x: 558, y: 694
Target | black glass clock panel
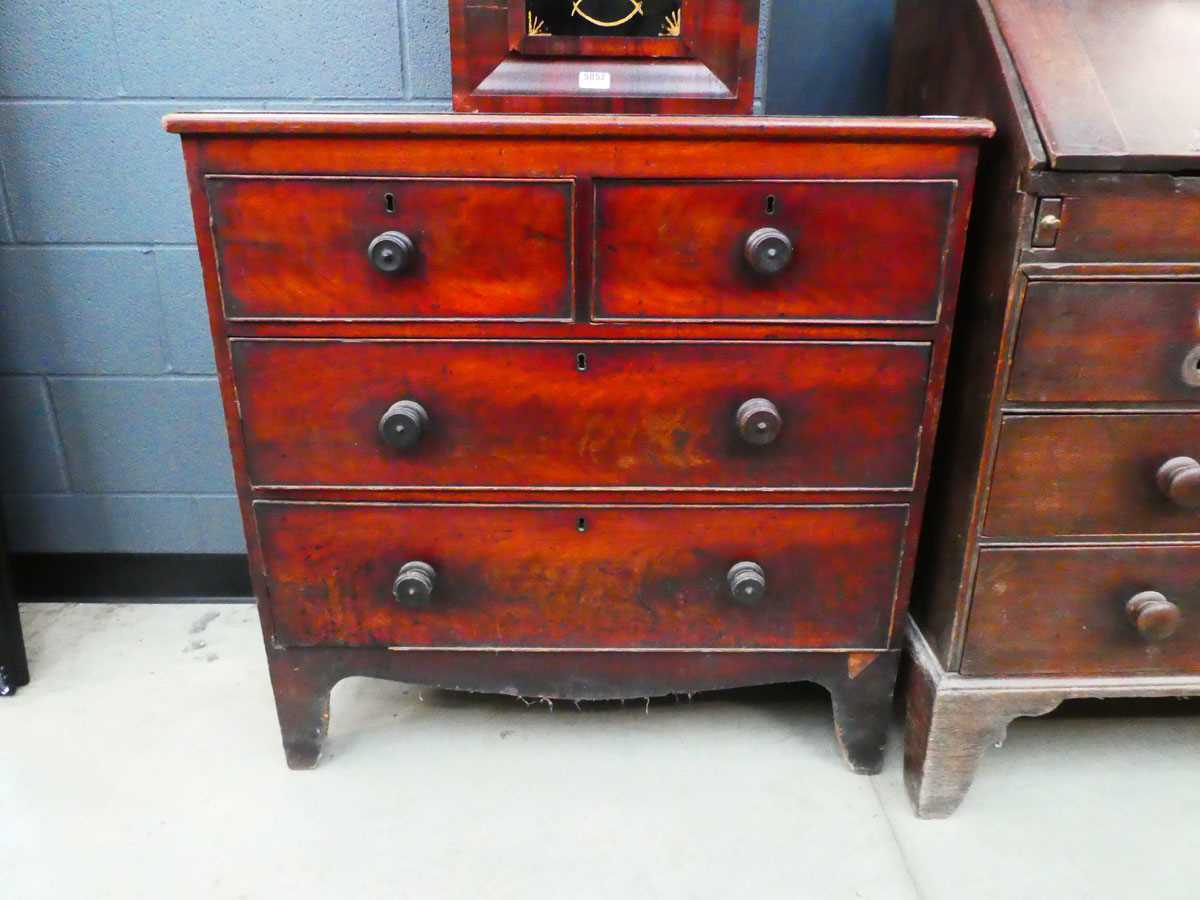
x: 603, y: 18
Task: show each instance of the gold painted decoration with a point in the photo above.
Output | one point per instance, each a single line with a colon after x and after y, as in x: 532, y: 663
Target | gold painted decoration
x: 603, y: 18
x: 635, y: 9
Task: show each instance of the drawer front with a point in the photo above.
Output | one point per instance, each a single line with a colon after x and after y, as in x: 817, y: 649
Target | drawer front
x: 604, y: 576
x: 297, y: 248
x: 861, y: 250
x: 1063, y: 611
x: 1155, y: 221
x: 511, y: 413
x: 1106, y: 341
x: 1091, y: 475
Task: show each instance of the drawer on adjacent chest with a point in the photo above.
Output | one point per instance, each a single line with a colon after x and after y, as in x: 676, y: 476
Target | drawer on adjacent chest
x: 581, y: 576
x: 771, y: 250
x: 1108, y: 341
x: 1151, y: 218
x: 361, y: 248
x: 1085, y: 611
x: 1096, y: 475
x: 575, y: 414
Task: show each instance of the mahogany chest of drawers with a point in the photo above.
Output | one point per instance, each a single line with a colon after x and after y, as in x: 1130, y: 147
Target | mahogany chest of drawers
x: 581, y: 407
x: 1061, y: 555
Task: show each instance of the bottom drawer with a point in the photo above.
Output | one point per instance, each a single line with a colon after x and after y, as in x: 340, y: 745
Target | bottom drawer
x: 581, y: 576
x: 1063, y: 611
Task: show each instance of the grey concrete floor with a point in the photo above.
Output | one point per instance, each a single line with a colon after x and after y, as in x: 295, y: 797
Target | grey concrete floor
x: 144, y: 761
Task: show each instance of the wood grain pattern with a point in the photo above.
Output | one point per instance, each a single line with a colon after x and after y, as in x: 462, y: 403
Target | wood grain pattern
x: 1061, y: 611
x: 1088, y: 475
x: 1097, y: 341
x: 633, y: 577
x: 297, y: 248
x: 1105, y: 341
x: 523, y: 414
x: 869, y: 130
x: 1153, y: 218
x: 858, y: 400
x: 1109, y: 81
x: 868, y: 250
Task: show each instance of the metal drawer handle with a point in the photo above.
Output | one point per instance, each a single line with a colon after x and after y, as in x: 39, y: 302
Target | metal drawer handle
x: 1154, y: 616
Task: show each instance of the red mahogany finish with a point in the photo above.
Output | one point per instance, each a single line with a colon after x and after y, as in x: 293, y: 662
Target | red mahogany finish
x: 581, y: 414
x: 505, y: 61
x: 583, y: 576
x: 454, y: 471
x: 295, y: 248
x: 865, y: 250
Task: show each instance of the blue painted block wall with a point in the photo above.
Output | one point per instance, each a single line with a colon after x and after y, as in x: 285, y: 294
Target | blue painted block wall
x: 113, y: 437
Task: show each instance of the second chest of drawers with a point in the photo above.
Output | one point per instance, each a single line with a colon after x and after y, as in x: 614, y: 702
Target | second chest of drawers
x: 1061, y: 552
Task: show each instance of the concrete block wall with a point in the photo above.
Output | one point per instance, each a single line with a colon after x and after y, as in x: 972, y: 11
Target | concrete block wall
x: 113, y: 440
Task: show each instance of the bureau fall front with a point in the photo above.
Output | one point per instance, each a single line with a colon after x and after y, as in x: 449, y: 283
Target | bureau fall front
x: 581, y: 407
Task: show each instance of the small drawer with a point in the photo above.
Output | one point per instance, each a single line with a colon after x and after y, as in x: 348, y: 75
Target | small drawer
x: 581, y: 576
x: 842, y: 250
x: 1151, y: 218
x: 1095, y: 475
x: 1085, y: 611
x: 1108, y: 341
x: 366, y: 413
x: 361, y: 248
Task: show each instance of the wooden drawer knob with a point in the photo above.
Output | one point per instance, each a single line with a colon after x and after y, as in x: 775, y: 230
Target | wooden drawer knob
x: 403, y: 424
x: 759, y: 421
x: 1179, y: 480
x: 747, y: 583
x: 392, y: 251
x: 1155, y: 617
x: 414, y: 584
x: 768, y: 251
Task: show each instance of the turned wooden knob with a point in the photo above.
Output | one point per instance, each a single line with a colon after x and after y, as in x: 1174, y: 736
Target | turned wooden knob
x: 414, y: 584
x: 1179, y: 480
x: 768, y: 251
x: 1155, y: 617
x: 747, y: 582
x: 758, y: 421
x: 403, y: 424
x: 392, y: 251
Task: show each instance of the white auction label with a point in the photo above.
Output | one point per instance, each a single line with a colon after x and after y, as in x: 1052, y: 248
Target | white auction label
x: 595, y: 81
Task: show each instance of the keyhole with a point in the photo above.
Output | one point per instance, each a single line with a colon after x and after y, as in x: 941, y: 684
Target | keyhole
x: 389, y: 202
x: 581, y: 364
x: 581, y: 524
x: 770, y: 204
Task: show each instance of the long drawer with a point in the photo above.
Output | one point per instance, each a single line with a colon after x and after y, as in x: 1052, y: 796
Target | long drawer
x: 855, y: 250
x: 1067, y: 611
x: 1108, y: 342
x: 303, y: 248
x: 1093, y: 475
x: 576, y: 414
x: 581, y: 576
